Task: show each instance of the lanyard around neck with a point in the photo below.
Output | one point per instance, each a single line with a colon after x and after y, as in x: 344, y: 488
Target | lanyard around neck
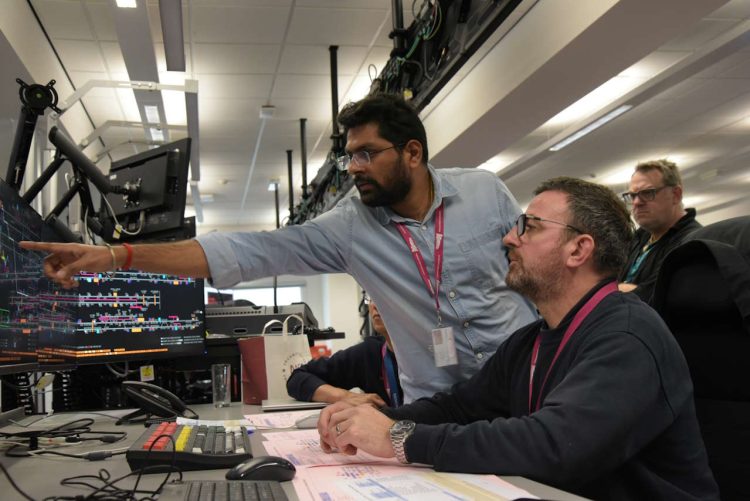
x: 574, y: 324
x: 390, y: 378
x: 419, y: 260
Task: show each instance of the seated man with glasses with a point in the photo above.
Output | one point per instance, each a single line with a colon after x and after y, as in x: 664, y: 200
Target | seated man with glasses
x: 423, y: 242
x: 370, y: 366
x: 656, y: 199
x: 595, y: 398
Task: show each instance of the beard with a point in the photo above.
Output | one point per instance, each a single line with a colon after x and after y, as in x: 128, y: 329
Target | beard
x: 538, y: 283
x: 392, y: 190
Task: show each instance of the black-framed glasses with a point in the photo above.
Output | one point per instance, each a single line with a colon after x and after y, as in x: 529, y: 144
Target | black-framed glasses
x: 646, y: 195
x: 521, y: 223
x: 362, y: 157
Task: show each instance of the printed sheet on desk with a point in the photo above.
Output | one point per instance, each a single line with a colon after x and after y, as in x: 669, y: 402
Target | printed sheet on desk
x: 322, y: 476
x: 278, y: 420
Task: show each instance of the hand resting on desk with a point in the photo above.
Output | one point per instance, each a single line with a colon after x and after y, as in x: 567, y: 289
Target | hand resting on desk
x: 346, y: 428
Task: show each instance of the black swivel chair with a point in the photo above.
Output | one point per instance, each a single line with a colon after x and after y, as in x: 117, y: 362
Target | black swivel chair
x: 703, y: 294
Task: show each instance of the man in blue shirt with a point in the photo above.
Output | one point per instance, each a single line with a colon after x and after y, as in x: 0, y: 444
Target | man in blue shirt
x: 426, y: 244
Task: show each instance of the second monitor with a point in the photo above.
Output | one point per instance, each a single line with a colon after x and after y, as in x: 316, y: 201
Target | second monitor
x: 132, y: 315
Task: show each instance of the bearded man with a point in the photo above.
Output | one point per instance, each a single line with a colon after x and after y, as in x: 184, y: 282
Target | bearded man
x: 424, y: 243
x: 595, y: 398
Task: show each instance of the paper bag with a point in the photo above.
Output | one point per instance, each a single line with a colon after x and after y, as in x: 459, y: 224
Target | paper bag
x: 268, y: 361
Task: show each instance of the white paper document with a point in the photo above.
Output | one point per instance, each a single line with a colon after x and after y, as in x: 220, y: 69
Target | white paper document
x: 303, y: 449
x: 403, y: 482
x: 324, y: 477
x: 278, y: 420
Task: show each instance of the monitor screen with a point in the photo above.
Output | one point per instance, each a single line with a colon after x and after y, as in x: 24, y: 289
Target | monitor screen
x: 20, y: 273
x: 132, y: 315
x: 161, y: 178
x: 57, y: 316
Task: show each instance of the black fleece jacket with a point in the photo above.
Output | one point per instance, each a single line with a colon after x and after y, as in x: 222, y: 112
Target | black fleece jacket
x: 617, y: 419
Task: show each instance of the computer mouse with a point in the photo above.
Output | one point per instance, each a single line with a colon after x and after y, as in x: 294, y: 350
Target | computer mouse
x: 306, y: 422
x: 263, y: 468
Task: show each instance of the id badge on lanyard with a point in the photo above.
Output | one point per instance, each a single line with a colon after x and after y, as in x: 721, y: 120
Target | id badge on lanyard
x: 443, y: 341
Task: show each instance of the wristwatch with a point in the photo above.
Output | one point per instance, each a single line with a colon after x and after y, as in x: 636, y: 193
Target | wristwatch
x: 400, y: 431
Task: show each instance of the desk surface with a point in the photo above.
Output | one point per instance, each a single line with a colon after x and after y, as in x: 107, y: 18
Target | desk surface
x: 40, y: 476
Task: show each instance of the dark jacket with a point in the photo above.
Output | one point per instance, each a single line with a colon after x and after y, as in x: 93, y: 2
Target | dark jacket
x: 617, y: 418
x: 359, y: 366
x: 703, y: 293
x: 645, y: 278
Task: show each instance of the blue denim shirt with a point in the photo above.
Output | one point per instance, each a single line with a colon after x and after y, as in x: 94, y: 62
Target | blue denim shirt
x: 364, y: 242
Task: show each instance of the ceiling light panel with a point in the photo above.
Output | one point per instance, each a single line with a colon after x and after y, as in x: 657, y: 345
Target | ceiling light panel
x: 591, y: 127
x: 595, y: 100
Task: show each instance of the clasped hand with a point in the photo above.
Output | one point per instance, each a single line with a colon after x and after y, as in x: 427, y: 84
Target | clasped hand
x: 347, y: 428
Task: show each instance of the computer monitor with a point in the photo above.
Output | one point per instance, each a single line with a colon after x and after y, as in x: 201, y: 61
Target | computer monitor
x: 20, y: 272
x: 132, y: 315
x: 161, y: 176
x: 58, y: 309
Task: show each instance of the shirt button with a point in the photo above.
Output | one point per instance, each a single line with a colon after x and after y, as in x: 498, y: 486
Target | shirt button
x: 480, y: 356
x: 424, y: 227
x: 466, y: 324
x: 452, y: 294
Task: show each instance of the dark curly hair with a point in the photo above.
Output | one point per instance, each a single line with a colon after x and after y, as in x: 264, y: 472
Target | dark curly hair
x: 396, y: 119
x: 599, y: 212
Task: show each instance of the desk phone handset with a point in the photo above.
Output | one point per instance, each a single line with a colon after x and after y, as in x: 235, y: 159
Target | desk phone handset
x: 153, y: 401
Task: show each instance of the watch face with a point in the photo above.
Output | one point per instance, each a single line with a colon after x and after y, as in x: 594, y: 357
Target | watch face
x: 401, y: 427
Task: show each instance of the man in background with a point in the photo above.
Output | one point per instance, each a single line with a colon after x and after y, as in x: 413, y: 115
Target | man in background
x: 655, y: 196
x: 370, y: 366
x: 594, y: 399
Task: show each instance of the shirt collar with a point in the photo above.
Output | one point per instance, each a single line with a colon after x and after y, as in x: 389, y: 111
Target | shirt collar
x: 443, y: 189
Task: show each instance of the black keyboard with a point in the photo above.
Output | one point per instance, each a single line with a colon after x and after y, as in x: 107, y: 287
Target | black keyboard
x: 223, y: 490
x: 197, y: 447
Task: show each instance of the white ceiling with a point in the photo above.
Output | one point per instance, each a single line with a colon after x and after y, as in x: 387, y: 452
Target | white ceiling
x: 692, y: 95
x: 692, y: 105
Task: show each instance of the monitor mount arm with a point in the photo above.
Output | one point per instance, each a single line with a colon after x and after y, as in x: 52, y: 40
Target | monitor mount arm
x: 84, y: 170
x: 35, y: 99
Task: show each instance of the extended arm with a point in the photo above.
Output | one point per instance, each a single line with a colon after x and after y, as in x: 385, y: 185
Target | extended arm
x: 66, y: 260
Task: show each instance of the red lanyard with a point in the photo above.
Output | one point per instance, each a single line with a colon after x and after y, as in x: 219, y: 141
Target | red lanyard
x: 419, y: 260
x: 577, y: 319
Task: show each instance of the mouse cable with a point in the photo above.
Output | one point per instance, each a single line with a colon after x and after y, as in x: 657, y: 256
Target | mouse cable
x: 108, y: 490
x: 89, y: 456
x: 13, y: 484
x: 73, y: 428
x: 173, y: 466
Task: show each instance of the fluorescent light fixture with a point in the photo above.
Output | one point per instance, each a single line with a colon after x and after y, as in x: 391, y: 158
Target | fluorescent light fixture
x: 156, y: 134
x: 127, y: 4
x: 595, y: 101
x: 170, y: 12
x: 591, y: 127
x: 273, y: 185
x: 152, y: 114
x: 498, y: 162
